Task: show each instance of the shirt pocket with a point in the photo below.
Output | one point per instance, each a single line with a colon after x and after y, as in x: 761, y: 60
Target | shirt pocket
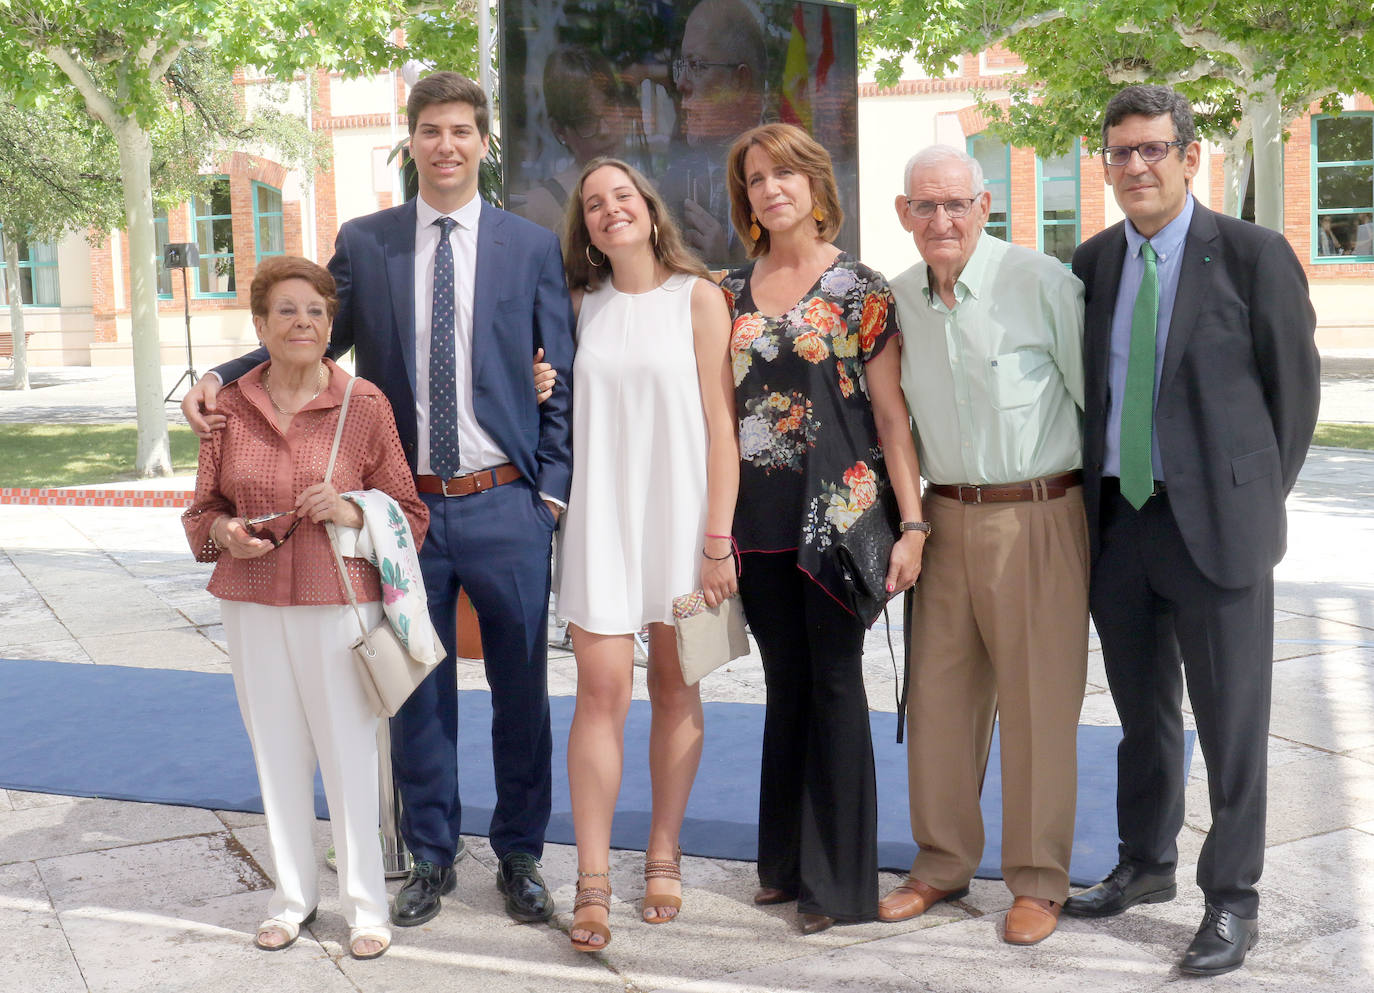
x: 1017, y: 378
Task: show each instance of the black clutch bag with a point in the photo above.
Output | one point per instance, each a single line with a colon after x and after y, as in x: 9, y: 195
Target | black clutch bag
x: 862, y: 553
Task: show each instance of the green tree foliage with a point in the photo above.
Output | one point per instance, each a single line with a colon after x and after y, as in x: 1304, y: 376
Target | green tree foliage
x: 1249, y: 68
x: 58, y: 175
x: 128, y: 61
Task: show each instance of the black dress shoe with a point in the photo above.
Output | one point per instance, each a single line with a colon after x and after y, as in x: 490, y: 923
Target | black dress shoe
x: 1129, y: 884
x: 418, y: 900
x: 527, y: 898
x: 1220, y: 943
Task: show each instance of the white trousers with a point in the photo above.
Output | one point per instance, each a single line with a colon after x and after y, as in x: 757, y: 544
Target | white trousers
x: 302, y: 702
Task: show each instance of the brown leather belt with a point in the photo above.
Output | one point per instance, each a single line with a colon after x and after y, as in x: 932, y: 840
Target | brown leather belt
x: 473, y: 482
x: 1045, y: 488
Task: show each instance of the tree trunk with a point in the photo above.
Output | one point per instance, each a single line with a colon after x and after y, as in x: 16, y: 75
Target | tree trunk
x: 135, y: 160
x: 16, y: 298
x: 1263, y: 108
x: 1236, y: 175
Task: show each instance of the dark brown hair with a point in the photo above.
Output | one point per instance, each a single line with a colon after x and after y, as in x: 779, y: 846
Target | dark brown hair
x: 788, y: 145
x: 1152, y: 101
x: 669, y: 248
x: 447, y: 87
x: 277, y: 268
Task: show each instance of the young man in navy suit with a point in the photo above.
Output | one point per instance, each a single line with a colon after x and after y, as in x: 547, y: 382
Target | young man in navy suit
x: 447, y: 300
x: 1201, y: 393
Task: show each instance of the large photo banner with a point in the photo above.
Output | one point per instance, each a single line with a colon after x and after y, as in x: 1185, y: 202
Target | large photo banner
x: 667, y: 86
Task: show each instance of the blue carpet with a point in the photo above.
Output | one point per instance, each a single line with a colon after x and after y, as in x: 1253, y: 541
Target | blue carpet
x: 165, y: 736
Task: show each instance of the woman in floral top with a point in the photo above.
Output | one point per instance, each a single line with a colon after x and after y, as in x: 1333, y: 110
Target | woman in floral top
x: 822, y: 425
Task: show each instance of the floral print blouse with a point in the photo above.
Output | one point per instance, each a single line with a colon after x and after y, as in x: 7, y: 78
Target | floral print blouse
x: 810, y: 457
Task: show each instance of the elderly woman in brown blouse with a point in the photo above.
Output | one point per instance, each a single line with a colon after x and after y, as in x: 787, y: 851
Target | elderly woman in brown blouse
x: 259, y: 512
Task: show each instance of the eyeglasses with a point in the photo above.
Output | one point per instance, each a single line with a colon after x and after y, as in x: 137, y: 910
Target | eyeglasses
x: 694, y: 67
x: 1149, y: 151
x: 925, y: 209
x: 253, y: 525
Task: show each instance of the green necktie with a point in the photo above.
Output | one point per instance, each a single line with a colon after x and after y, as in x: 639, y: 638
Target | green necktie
x: 1138, y: 405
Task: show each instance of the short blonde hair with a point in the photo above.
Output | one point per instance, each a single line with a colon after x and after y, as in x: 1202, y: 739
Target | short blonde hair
x: 788, y: 145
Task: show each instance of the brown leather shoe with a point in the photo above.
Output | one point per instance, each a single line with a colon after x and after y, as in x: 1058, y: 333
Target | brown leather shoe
x: 814, y: 923
x: 1030, y: 920
x: 773, y: 894
x: 913, y: 898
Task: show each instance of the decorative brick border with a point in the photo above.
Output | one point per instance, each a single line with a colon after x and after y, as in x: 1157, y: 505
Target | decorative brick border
x: 94, y: 498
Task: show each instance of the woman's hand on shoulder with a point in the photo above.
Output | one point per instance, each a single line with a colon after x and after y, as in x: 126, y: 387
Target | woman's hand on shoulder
x: 322, y: 502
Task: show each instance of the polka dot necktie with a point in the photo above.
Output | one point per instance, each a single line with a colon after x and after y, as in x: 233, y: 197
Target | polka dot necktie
x: 443, y: 400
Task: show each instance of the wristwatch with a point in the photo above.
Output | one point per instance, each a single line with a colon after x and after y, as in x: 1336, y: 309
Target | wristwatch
x: 922, y: 526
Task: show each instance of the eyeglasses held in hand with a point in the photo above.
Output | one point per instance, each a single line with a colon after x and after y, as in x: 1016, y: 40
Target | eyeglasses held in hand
x: 253, y: 525
x: 1149, y: 151
x: 925, y: 209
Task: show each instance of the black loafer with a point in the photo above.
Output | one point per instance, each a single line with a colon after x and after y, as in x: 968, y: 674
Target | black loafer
x: 1220, y: 943
x: 1129, y: 884
x: 418, y: 900
x: 527, y: 898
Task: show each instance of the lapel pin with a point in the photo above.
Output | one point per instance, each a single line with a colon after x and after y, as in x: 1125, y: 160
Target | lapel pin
x: 1207, y: 258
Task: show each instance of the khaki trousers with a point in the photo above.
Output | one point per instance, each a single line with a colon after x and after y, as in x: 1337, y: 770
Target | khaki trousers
x: 1000, y: 631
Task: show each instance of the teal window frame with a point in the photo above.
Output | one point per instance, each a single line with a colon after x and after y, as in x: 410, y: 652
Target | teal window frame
x: 35, y: 264
x: 276, y: 218
x: 1367, y: 207
x: 1000, y: 230
x: 1041, y: 180
x: 161, y: 237
x: 208, y: 256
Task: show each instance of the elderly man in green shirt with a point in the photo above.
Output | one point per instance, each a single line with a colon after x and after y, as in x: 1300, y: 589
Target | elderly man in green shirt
x: 992, y: 369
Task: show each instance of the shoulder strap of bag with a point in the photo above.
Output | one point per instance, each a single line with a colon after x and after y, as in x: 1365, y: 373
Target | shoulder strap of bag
x: 329, y: 525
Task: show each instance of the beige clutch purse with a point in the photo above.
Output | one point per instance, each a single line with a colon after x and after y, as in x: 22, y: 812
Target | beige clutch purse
x: 708, y: 637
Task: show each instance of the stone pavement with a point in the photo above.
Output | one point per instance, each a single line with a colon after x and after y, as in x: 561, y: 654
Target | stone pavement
x: 122, y: 897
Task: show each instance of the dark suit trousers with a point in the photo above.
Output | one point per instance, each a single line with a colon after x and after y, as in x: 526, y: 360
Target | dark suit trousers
x: 1150, y: 605
x: 818, y: 796
x: 494, y: 545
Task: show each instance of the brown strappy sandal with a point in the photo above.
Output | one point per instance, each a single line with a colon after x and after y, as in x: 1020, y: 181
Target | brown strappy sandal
x: 591, y: 896
x: 662, y: 869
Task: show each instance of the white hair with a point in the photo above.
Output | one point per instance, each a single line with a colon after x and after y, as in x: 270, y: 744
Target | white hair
x: 938, y: 154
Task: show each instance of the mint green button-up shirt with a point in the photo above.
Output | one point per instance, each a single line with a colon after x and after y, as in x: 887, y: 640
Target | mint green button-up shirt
x: 995, y: 384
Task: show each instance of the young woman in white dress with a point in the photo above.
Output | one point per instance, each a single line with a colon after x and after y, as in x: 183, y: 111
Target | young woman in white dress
x: 649, y: 517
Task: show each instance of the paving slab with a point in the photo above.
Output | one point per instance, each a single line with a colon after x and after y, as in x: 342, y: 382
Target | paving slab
x: 89, y: 825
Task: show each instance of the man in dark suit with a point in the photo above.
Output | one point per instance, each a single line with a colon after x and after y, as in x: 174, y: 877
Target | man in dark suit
x: 446, y: 301
x: 1201, y: 396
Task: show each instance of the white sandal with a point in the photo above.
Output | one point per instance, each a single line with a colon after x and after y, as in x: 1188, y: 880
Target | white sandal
x: 291, y: 929
x: 380, y: 934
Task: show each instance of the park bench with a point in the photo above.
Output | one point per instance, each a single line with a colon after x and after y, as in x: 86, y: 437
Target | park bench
x: 7, y: 345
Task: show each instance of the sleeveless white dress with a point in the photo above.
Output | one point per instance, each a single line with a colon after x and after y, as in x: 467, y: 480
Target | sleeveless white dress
x: 631, y: 539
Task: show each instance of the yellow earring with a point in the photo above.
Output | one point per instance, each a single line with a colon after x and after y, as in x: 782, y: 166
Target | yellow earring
x: 754, y: 229
x: 816, y: 213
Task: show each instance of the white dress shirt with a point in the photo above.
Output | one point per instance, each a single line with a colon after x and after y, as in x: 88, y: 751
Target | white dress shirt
x: 476, y: 449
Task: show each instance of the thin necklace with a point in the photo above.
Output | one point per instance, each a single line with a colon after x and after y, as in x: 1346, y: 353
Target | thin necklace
x: 319, y: 388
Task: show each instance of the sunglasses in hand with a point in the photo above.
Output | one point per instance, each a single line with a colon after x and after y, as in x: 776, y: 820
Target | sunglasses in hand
x: 254, y: 527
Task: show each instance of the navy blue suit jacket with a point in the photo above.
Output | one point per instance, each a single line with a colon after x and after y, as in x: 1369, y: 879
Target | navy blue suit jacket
x: 1238, y: 392
x: 521, y: 304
